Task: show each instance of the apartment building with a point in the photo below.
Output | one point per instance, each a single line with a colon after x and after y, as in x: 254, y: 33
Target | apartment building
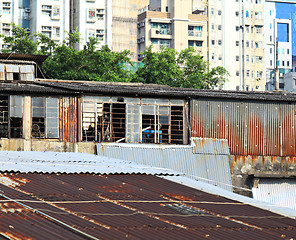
x: 92, y: 19
x: 124, y: 25
x: 114, y: 23
x: 278, y: 45
x: 50, y: 17
x: 236, y: 41
x: 174, y: 24
x: 13, y: 11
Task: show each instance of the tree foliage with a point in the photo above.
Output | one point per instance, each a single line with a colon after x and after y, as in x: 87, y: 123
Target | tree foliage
x: 185, y: 69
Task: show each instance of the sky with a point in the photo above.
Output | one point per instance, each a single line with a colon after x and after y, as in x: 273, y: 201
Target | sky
x: 287, y: 11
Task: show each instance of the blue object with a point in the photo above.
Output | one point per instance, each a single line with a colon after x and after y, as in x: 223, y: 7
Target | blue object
x: 148, y: 136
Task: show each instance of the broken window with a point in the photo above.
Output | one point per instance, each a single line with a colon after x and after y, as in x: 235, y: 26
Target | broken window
x: 4, y: 116
x: 133, y: 120
x: 45, y: 117
x: 16, y: 117
x: 155, y: 124
x: 103, y: 121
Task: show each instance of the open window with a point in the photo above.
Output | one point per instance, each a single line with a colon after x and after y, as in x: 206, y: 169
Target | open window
x: 155, y: 124
x: 16, y: 117
x: 103, y: 121
x: 133, y: 120
x: 111, y: 124
x: 45, y: 117
x: 4, y: 116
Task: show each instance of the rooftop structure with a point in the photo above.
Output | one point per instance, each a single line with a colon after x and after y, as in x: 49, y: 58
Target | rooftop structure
x: 112, y: 206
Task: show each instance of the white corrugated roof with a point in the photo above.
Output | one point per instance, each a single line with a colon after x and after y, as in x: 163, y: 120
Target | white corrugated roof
x: 54, y: 162
x: 281, y: 192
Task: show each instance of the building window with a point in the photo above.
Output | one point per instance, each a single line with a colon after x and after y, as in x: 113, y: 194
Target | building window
x: 195, y: 31
x: 247, y: 73
x: 45, y: 117
x: 270, y: 63
x: 288, y: 64
x: 237, y: 73
x: 247, y: 43
x: 283, y: 63
x: 258, y: 15
x: 236, y: 13
x: 270, y: 50
x: 213, y: 26
x: 155, y: 41
x: 212, y: 11
x: 258, y: 59
x: 213, y: 42
x: 237, y: 58
x: 219, y: 27
x: 258, y: 1
x: 133, y: 120
x: 163, y: 43
x: 237, y: 28
x: 270, y: 38
x: 219, y: 42
x: 247, y: 58
x: 259, y: 29
x: 219, y: 12
x: 237, y: 43
x: 259, y: 74
x: 91, y: 15
x: 288, y: 52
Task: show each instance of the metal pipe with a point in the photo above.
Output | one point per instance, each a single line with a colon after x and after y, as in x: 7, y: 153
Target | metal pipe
x: 51, y: 218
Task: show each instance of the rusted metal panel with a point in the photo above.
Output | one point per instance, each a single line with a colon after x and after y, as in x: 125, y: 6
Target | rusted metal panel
x: 68, y: 119
x: 251, y: 128
x: 128, y: 206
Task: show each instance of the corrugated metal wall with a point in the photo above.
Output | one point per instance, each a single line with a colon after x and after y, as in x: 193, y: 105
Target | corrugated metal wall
x: 281, y: 192
x: 251, y: 128
x: 206, y: 159
x: 68, y: 119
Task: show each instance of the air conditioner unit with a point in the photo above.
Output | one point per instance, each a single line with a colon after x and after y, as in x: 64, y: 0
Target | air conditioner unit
x: 27, y: 10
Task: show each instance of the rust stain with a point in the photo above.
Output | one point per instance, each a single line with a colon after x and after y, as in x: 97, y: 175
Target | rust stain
x: 144, y: 213
x: 13, y: 236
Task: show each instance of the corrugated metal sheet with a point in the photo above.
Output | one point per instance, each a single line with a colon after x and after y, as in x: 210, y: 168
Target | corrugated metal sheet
x: 68, y: 119
x: 281, y: 192
x: 53, y: 162
x: 251, y: 128
x: 206, y: 159
x: 127, y: 206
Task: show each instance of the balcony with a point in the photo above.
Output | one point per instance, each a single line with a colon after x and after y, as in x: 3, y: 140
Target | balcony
x: 160, y: 33
x: 195, y: 35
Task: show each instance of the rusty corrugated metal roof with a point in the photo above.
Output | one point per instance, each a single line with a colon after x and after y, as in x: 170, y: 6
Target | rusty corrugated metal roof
x: 127, y: 206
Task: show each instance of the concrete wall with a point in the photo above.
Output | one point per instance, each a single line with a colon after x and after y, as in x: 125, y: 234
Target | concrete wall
x: 46, y: 145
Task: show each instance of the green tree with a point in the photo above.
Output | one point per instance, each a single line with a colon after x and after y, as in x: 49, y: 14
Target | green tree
x: 185, y: 69
x: 20, y: 41
x: 88, y: 64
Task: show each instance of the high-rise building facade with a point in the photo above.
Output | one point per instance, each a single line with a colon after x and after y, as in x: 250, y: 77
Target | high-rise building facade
x: 236, y: 42
x: 124, y: 25
x: 112, y: 22
x: 50, y: 17
x: 92, y: 19
x: 174, y: 24
x: 228, y: 33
